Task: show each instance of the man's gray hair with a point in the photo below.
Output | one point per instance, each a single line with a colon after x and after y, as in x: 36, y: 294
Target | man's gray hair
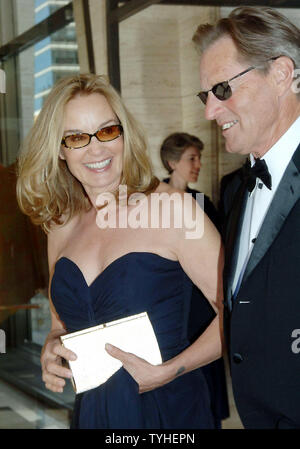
x: 258, y: 33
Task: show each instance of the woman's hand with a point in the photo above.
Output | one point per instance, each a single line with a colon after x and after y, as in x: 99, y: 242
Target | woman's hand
x: 204, y: 350
x: 147, y: 376
x: 52, y: 357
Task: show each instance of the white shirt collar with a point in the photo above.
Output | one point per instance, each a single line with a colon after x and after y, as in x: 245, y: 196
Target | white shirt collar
x: 280, y: 154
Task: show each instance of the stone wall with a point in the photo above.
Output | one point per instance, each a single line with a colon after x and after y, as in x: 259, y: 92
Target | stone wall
x: 159, y: 77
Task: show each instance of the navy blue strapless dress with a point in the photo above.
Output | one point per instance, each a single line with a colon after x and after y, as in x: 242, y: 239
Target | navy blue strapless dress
x: 134, y: 283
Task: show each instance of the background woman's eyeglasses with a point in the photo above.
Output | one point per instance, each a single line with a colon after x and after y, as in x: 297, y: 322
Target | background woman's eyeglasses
x: 80, y: 140
x: 222, y: 91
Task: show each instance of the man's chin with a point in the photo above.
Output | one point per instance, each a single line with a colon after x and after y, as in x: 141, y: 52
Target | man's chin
x: 234, y: 149
x: 228, y: 147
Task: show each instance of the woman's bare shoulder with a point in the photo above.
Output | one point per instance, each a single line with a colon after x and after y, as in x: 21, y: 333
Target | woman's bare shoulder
x: 63, y: 227
x: 59, y: 234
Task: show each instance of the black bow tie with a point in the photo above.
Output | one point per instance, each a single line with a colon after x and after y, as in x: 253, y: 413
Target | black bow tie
x: 259, y: 170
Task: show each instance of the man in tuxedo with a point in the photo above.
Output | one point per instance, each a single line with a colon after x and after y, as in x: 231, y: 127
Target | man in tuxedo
x: 247, y: 77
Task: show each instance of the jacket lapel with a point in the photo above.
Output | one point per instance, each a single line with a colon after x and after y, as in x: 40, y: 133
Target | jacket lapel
x: 232, y: 239
x: 287, y: 194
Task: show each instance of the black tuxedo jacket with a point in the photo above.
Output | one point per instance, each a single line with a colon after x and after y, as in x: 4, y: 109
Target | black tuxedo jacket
x: 263, y: 322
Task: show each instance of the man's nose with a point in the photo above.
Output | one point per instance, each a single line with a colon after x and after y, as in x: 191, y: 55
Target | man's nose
x: 213, y: 107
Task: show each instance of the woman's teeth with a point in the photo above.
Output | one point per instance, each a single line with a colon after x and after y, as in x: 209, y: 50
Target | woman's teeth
x: 228, y: 125
x: 98, y: 165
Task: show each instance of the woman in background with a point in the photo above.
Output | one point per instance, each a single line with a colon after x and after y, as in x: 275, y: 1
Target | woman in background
x: 181, y: 156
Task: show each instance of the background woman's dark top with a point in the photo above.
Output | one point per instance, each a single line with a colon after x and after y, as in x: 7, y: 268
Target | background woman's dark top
x: 201, y: 315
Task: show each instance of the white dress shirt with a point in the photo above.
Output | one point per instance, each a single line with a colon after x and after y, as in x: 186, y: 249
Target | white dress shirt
x: 259, y: 200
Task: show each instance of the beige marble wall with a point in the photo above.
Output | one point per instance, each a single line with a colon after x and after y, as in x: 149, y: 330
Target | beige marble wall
x: 81, y: 36
x: 150, y: 73
x: 159, y: 76
x: 194, y: 121
x: 98, y: 25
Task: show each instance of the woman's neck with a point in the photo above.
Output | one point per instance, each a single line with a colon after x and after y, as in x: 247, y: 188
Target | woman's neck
x: 177, y: 183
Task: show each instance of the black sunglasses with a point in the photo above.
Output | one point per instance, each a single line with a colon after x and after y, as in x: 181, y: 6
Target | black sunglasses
x: 223, y: 90
x: 81, y: 140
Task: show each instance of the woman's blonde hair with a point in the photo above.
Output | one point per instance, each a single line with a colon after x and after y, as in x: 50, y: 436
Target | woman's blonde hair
x: 46, y: 190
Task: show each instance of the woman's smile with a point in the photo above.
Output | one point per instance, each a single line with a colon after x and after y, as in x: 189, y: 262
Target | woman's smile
x: 99, y: 166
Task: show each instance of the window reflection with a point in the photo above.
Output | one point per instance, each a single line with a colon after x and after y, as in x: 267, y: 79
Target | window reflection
x: 54, y: 57
x: 30, y: 76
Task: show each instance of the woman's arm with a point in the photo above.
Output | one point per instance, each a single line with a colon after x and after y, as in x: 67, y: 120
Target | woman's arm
x: 53, y: 353
x: 202, y: 260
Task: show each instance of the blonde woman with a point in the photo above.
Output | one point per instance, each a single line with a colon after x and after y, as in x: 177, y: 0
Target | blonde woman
x: 85, y: 143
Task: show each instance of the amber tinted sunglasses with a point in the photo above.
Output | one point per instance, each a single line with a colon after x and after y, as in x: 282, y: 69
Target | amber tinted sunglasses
x: 80, y: 140
x: 222, y: 91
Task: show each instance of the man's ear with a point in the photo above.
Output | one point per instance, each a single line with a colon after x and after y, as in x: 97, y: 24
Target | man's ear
x: 283, y: 72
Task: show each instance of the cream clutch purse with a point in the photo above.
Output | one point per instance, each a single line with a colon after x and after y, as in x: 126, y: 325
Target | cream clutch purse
x: 94, y: 365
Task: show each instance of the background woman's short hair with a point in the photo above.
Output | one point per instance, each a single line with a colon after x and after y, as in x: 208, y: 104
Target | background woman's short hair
x: 175, y: 145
